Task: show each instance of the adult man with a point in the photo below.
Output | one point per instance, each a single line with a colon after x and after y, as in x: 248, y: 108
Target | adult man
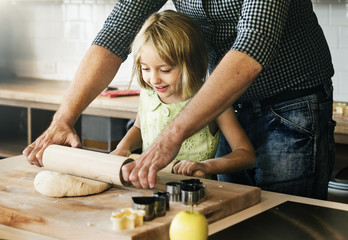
x: 270, y: 58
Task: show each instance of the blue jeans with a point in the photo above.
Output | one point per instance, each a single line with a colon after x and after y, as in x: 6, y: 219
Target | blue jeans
x: 294, y: 144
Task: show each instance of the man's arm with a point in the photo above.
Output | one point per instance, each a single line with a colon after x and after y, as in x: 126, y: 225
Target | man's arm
x: 96, y: 71
x: 242, y: 156
x: 233, y: 75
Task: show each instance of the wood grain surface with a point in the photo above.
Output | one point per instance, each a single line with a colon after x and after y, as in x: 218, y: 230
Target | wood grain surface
x: 89, y: 217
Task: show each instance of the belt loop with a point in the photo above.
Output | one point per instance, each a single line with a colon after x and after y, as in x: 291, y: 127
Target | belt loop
x: 257, y: 107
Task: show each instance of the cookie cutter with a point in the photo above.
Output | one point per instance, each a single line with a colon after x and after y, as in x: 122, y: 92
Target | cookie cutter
x: 188, y: 191
x: 146, y: 204
x: 194, y: 181
x: 160, y: 206
x: 153, y: 206
x: 193, y: 191
x: 165, y: 195
x: 192, y: 194
x: 174, y: 190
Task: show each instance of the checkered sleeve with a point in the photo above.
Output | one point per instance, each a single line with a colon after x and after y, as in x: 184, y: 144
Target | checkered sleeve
x: 123, y: 23
x: 260, y: 28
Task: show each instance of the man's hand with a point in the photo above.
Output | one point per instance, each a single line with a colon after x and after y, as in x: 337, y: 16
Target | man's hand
x: 57, y: 133
x: 142, y: 174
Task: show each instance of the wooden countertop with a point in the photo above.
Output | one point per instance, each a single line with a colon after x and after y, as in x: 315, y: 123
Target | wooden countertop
x: 268, y: 200
x: 341, y: 129
x: 48, y: 94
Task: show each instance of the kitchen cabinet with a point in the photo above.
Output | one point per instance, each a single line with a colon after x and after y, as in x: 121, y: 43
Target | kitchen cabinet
x: 102, y: 133
x: 13, y: 130
x: 27, y: 107
x: 19, y: 126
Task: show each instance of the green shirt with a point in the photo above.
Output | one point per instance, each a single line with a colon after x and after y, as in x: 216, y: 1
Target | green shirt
x: 155, y: 115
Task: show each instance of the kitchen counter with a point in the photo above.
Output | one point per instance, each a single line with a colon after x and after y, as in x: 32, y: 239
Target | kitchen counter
x: 268, y: 200
x: 29, y: 104
x: 48, y: 94
x: 340, y: 115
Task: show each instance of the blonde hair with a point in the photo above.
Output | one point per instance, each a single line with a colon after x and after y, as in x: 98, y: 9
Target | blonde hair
x: 179, y: 41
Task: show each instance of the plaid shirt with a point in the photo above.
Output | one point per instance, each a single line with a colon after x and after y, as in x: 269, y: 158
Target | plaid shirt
x: 283, y: 36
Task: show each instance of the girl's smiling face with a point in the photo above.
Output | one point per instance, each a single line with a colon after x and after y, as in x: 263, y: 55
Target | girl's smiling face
x: 163, y: 78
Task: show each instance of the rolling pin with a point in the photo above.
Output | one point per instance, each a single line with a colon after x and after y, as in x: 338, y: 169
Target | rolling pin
x: 84, y: 163
x: 94, y: 165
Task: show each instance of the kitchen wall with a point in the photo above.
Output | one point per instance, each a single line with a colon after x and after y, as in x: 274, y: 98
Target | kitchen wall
x: 48, y: 38
x: 333, y: 18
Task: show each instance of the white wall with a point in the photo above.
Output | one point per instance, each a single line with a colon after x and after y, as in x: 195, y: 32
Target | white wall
x: 48, y: 38
x: 333, y: 18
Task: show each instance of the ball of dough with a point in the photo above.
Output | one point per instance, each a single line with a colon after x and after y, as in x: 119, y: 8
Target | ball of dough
x: 55, y: 184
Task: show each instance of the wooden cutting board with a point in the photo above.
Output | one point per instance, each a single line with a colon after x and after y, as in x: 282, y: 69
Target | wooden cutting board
x: 89, y: 217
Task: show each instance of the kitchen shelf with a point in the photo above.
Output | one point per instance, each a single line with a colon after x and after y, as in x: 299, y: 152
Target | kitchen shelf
x: 13, y: 130
x: 28, y: 105
x: 11, y: 147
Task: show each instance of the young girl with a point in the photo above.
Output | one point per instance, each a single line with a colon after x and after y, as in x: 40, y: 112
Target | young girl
x: 170, y: 64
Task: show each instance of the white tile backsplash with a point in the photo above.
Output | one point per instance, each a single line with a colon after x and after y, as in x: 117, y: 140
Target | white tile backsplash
x: 342, y: 94
x: 71, y: 12
x: 322, y: 11
x: 339, y: 14
x: 340, y: 59
x: 343, y: 37
x: 344, y: 84
x: 85, y: 13
x: 331, y: 34
x: 48, y: 38
x: 333, y: 18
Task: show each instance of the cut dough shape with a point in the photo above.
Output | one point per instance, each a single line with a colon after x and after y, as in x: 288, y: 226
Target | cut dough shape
x: 127, y: 218
x: 55, y: 184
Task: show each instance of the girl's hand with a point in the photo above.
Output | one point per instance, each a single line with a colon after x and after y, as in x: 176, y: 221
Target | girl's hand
x: 190, y: 168
x: 121, y: 152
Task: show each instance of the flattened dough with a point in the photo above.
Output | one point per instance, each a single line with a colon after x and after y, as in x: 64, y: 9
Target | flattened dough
x: 54, y: 184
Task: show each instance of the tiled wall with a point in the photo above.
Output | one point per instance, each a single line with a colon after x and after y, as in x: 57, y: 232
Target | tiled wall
x: 48, y: 38
x: 333, y: 18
